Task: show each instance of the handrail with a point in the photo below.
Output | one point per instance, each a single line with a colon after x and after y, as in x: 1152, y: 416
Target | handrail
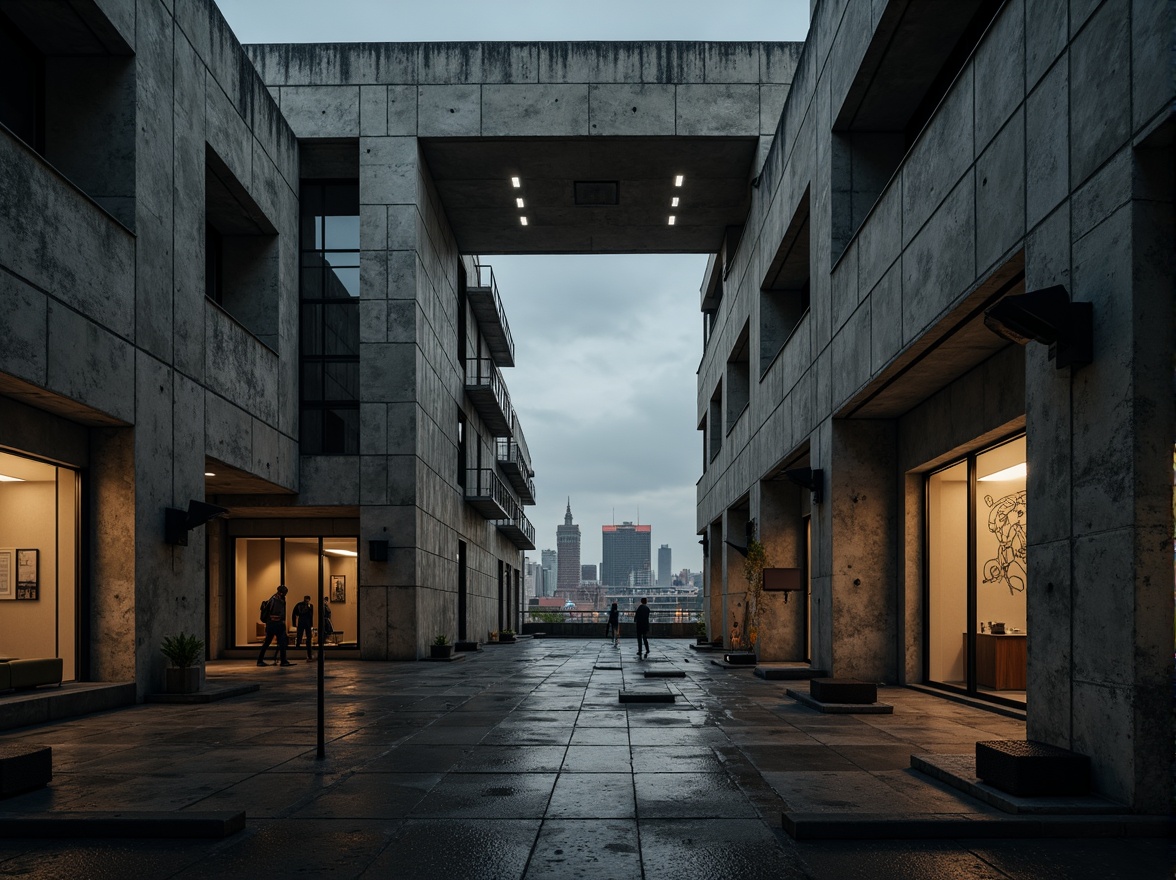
x: 484, y: 483
x: 485, y: 278
x: 481, y: 372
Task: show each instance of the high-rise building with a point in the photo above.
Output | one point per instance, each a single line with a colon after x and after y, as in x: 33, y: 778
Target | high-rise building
x: 626, y: 555
x: 567, y: 543
x: 550, y: 561
x: 587, y: 574
x: 665, y: 573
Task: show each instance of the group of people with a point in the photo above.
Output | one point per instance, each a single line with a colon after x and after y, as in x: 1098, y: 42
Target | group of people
x: 273, y: 615
x: 640, y: 623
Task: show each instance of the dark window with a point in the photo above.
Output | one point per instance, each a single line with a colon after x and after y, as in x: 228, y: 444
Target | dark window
x: 329, y: 335
x: 22, y: 99
x: 462, y: 342
x: 462, y: 455
x: 784, y: 292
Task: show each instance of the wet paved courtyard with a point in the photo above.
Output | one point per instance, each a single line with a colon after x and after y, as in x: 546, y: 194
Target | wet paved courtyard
x: 520, y: 762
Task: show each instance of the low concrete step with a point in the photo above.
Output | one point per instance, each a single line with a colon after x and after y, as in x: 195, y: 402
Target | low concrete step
x: 840, y: 708
x: 1027, y: 768
x: 665, y: 673
x: 127, y: 823
x: 959, y: 771
x: 647, y: 696
x: 969, y: 826
x: 787, y: 672
x: 211, y: 692
x: 843, y: 690
x: 24, y: 768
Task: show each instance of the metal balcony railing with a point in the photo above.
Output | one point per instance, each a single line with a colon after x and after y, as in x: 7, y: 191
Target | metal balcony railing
x: 487, y: 391
x: 487, y: 494
x: 487, y: 307
x: 517, y: 528
x: 513, y: 463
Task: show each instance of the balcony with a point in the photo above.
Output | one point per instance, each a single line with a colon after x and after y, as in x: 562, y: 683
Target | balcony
x: 487, y: 308
x: 517, y: 528
x: 512, y: 461
x: 487, y: 494
x: 487, y: 391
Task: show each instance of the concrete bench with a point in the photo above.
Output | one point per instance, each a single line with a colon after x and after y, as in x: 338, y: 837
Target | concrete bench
x: 1027, y: 768
x: 23, y: 768
x: 31, y: 673
x: 843, y: 690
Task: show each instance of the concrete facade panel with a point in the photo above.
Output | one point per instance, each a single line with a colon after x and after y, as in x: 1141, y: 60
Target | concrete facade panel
x: 402, y: 110
x: 1000, y: 195
x: 449, y: 110
x: 534, y: 110
x: 999, y: 67
x: 228, y: 432
x: 718, y: 110
x: 24, y: 333
x: 373, y: 111
x: 388, y: 171
x: 1100, y: 89
x: 89, y: 364
x: 329, y: 479
x: 1046, y: 36
x: 1047, y: 159
x: 644, y: 109
x: 322, y: 111
x: 939, y: 263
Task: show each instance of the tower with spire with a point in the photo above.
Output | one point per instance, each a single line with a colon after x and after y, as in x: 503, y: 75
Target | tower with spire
x: 567, y: 543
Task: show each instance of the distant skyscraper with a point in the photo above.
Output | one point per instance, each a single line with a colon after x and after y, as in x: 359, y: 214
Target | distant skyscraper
x: 588, y: 574
x: 550, y: 561
x: 567, y: 542
x: 665, y: 573
x: 626, y: 555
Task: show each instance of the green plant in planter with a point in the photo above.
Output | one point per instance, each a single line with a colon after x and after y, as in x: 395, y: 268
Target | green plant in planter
x: 183, y: 650
x: 700, y: 625
x: 753, y: 571
x: 441, y: 640
x: 507, y: 632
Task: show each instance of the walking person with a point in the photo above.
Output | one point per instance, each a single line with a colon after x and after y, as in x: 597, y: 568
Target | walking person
x: 303, y: 620
x: 273, y: 615
x: 613, y: 625
x: 641, y: 621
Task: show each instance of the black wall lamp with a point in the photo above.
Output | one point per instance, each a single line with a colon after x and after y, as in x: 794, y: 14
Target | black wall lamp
x: 378, y: 550
x: 1046, y: 316
x: 177, y: 522
x: 809, y: 478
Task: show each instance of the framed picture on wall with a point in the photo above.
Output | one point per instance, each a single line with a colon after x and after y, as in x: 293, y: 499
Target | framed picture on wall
x: 7, y: 573
x: 28, y: 581
x: 338, y: 588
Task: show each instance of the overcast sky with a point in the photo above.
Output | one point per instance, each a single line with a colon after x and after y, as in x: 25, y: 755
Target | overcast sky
x: 606, y: 347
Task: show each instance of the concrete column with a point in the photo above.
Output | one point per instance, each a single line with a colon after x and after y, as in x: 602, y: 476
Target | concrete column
x: 782, y: 532
x: 861, y: 501
x: 113, y: 539
x: 1100, y: 493
x: 716, y: 599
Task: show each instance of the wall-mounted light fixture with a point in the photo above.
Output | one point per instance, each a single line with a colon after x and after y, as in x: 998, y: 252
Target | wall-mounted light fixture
x: 1046, y: 316
x: 812, y: 479
x: 177, y: 522
x: 378, y: 550
x: 705, y: 542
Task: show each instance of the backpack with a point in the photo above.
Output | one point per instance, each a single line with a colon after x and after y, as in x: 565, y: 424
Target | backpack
x: 265, y: 610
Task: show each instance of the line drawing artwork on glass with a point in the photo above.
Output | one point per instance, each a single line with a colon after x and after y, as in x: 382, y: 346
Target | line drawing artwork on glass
x: 28, y: 581
x: 1006, y: 520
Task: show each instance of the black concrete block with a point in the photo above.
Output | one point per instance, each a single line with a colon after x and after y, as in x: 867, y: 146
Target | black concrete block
x: 665, y: 673
x: 465, y: 646
x: 740, y: 658
x: 843, y: 690
x: 184, y: 824
x: 24, y: 768
x: 646, y: 697
x: 1032, y: 769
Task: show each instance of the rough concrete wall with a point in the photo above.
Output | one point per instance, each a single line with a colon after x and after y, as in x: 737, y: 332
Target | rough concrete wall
x: 782, y: 532
x: 530, y: 89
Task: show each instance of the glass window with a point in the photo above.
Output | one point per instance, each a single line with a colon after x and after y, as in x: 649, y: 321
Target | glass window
x: 329, y: 331
x: 977, y: 573
x: 261, y: 564
x: 39, y: 527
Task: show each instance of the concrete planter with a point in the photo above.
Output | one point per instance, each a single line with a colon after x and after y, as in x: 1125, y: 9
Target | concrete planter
x: 503, y: 638
x: 440, y: 652
x: 182, y: 680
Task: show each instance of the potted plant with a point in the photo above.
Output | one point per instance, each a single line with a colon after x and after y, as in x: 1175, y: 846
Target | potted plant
x: 506, y: 635
x: 441, y: 649
x: 185, y: 673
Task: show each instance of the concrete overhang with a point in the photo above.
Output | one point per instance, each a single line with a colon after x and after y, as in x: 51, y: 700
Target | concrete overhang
x: 473, y: 180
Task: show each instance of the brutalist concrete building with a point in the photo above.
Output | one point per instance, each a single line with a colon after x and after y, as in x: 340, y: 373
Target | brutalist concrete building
x: 248, y: 278
x: 937, y: 383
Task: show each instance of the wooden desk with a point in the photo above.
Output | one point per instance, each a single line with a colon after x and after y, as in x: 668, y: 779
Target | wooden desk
x: 1001, y: 661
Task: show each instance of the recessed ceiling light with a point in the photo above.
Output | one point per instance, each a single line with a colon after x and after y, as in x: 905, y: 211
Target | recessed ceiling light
x: 339, y: 553
x: 1016, y: 472
x: 4, y: 478
x: 674, y: 202
x: 678, y: 181
x: 209, y: 474
x: 523, y: 220
x: 515, y: 182
x: 673, y: 219
x: 519, y: 202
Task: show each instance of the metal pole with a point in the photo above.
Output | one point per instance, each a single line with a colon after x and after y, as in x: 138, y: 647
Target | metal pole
x: 322, y: 734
